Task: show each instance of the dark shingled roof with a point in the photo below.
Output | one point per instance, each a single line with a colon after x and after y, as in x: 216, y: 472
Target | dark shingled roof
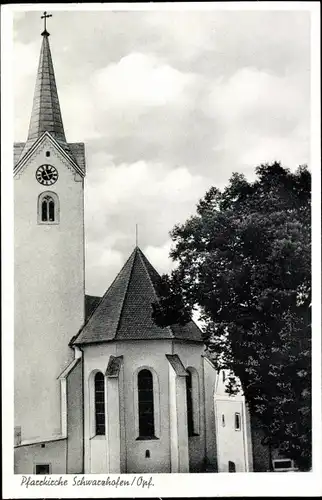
x: 125, y: 311
x: 78, y: 153
x: 17, y: 150
x: 91, y: 303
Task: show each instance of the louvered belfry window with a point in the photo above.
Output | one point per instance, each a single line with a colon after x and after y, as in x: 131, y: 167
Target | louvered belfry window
x: 146, y: 404
x: 99, y: 404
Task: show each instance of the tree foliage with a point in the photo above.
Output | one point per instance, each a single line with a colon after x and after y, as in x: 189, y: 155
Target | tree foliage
x: 244, y: 260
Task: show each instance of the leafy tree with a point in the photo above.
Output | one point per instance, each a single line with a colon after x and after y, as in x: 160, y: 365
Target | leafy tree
x: 244, y: 261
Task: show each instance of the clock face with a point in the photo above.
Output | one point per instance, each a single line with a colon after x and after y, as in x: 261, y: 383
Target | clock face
x: 46, y: 175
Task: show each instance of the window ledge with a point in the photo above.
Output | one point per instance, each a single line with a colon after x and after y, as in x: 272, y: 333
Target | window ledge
x: 193, y: 435
x: 98, y: 437
x: 48, y: 223
x: 147, y: 438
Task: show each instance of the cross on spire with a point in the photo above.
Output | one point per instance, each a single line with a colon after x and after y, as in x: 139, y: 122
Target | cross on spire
x: 45, y: 17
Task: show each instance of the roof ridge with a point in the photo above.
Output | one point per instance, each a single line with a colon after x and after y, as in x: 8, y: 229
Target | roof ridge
x: 143, y: 259
x: 134, y: 253
x: 147, y: 272
x: 88, y: 321
x: 170, y: 327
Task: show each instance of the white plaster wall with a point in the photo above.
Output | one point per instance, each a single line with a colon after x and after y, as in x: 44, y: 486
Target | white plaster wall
x: 99, y: 460
x: 113, y: 424
x: 231, y: 445
x: 75, y: 421
x: 25, y: 457
x: 210, y: 379
x: 135, y: 354
x: 122, y: 426
x: 149, y: 354
x: 182, y: 425
x: 138, y: 354
x: 191, y: 356
x: 173, y: 415
x: 49, y: 293
x: 95, y: 358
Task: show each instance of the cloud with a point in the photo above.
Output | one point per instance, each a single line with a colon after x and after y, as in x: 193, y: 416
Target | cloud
x: 25, y: 62
x: 78, y: 112
x: 160, y: 257
x: 102, y: 265
x: 119, y: 196
x: 189, y: 33
x: 139, y: 80
x: 168, y: 104
x: 128, y: 100
x: 289, y: 152
x: 258, y: 98
x: 264, y: 117
x: 141, y: 184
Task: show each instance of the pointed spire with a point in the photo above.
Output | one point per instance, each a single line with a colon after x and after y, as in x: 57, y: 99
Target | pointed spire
x: 46, y: 114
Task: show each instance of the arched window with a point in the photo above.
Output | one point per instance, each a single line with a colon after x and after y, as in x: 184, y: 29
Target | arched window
x: 99, y: 404
x: 48, y: 208
x: 146, y: 404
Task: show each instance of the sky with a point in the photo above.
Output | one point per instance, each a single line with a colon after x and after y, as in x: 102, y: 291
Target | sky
x: 168, y: 104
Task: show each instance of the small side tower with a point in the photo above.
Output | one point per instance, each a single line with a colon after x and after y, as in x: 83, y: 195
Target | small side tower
x: 49, y: 272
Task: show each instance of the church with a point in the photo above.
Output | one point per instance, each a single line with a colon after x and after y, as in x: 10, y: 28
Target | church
x: 98, y: 387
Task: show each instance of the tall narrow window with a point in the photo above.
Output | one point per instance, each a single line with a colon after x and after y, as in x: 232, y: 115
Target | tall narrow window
x: 189, y: 404
x: 48, y: 208
x: 99, y: 404
x: 146, y: 404
x: 193, y: 403
x: 231, y: 466
x: 237, y: 421
x: 44, y: 211
x: 51, y: 210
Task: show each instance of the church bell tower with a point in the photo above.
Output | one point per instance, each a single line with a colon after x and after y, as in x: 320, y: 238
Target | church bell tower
x: 49, y: 262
